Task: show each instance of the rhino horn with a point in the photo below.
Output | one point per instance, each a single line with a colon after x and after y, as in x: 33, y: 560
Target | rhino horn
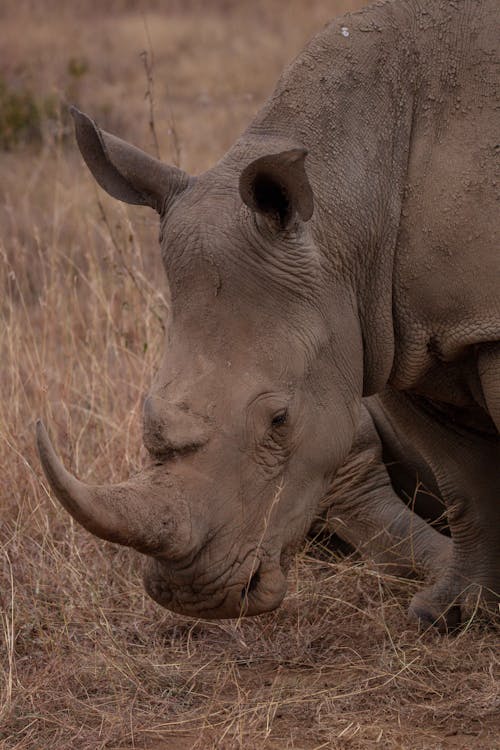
x: 135, y: 513
x: 124, y: 171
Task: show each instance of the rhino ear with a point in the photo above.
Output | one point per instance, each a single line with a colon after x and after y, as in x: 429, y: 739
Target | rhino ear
x: 124, y: 171
x: 277, y: 187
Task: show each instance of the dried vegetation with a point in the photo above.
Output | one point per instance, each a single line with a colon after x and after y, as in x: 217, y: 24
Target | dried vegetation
x: 86, y: 660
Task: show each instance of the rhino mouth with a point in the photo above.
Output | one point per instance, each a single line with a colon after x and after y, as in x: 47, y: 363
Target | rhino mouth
x: 256, y: 588
x: 264, y: 591
x: 252, y: 585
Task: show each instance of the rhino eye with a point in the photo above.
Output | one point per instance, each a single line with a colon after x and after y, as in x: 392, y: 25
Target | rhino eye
x: 280, y: 418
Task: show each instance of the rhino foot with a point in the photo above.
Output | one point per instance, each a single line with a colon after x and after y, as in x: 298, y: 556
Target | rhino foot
x: 452, y: 601
x: 427, y: 611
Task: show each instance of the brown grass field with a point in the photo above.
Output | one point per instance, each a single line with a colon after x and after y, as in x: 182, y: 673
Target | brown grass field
x: 87, y: 660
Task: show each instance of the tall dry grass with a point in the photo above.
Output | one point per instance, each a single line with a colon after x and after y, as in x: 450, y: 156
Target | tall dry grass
x: 87, y: 661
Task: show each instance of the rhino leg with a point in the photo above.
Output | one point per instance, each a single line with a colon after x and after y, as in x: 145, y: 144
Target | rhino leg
x: 465, y: 464
x: 472, y: 576
x: 489, y: 376
x: 363, y: 509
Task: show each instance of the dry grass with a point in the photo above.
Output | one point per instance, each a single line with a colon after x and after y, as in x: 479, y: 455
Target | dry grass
x: 87, y: 661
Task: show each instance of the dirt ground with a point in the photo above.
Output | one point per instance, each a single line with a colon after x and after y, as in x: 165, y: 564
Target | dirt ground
x: 87, y: 660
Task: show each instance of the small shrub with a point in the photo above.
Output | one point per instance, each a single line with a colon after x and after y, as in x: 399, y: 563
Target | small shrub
x: 77, y: 67
x: 27, y: 118
x: 20, y: 116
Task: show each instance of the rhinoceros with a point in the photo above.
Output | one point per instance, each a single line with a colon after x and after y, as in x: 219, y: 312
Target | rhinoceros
x: 335, y: 301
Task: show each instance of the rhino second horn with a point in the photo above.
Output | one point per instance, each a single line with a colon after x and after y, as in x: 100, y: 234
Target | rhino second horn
x: 128, y: 513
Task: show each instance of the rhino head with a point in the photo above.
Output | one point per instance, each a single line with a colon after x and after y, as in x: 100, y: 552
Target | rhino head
x: 254, y: 406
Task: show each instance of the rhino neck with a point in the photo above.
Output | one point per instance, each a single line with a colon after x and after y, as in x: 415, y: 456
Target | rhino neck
x: 348, y: 99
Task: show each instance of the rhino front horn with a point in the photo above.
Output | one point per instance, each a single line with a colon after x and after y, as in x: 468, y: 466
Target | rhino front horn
x: 135, y: 513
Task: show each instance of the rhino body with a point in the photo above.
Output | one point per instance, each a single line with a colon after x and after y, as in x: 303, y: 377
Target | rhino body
x: 343, y: 249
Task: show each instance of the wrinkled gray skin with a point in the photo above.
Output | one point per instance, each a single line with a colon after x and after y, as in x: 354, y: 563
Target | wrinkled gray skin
x: 300, y: 285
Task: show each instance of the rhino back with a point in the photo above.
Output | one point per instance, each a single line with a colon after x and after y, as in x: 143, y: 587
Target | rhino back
x: 396, y: 107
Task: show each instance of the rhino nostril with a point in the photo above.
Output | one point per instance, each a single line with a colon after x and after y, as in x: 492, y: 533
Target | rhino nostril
x: 171, y: 429
x: 252, y: 584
